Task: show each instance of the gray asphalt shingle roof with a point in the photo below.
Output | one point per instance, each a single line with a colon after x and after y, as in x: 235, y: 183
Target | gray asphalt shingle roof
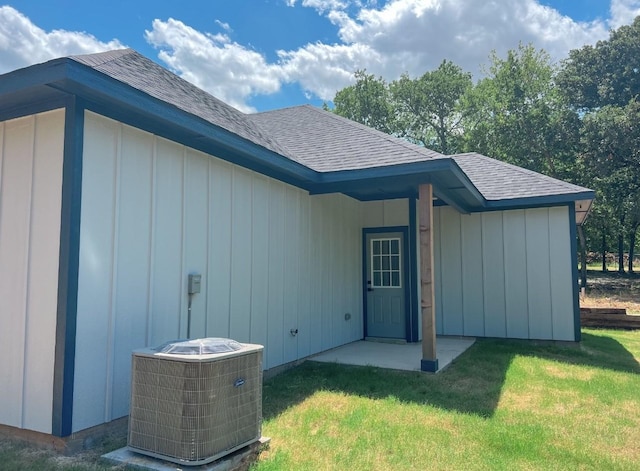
x: 135, y: 70
x: 498, y: 180
x: 317, y: 139
x: 326, y: 142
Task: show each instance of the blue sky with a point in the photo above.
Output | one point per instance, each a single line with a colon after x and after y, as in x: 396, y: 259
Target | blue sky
x: 265, y: 54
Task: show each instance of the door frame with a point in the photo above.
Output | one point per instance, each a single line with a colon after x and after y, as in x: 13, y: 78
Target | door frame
x: 409, y: 279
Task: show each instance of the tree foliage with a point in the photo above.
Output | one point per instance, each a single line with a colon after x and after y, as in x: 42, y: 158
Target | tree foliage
x: 578, y: 121
x: 605, y: 74
x: 367, y: 102
x: 611, y: 150
x: 516, y: 114
x: 424, y: 110
x: 427, y: 109
x: 602, y: 83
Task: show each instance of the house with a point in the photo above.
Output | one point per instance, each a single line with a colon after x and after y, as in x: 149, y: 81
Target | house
x: 118, y: 179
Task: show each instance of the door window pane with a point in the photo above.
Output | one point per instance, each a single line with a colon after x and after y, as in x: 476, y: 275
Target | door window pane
x: 385, y: 263
x: 395, y: 278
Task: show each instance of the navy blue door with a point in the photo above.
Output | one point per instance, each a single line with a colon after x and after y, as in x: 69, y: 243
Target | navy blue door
x: 386, y: 287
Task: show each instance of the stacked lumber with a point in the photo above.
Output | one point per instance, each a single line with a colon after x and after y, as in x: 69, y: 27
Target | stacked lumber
x: 610, y: 318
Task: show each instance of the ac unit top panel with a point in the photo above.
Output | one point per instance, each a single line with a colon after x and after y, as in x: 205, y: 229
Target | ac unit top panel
x: 246, y: 349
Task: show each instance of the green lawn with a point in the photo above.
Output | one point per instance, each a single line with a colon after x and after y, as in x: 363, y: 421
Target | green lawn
x: 503, y: 404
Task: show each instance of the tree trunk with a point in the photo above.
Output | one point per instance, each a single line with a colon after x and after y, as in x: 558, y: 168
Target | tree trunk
x: 621, y: 253
x: 583, y: 258
x: 604, y: 249
x: 621, y: 246
x: 632, y: 245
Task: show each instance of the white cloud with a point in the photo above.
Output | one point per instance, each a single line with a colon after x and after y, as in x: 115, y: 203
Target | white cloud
x: 22, y: 43
x: 386, y: 38
x: 323, y: 69
x: 224, y: 68
x: 326, y: 5
x: 623, y: 12
x: 224, y: 26
x: 416, y: 35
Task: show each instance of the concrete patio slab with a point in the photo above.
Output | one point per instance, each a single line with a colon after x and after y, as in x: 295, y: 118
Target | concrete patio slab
x: 394, y: 356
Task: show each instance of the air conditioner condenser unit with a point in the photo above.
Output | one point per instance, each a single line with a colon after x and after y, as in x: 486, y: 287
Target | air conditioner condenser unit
x: 195, y: 401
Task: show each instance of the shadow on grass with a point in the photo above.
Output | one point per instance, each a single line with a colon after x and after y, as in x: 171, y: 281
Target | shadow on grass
x: 472, y: 384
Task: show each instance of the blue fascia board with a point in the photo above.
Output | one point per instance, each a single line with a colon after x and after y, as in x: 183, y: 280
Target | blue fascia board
x: 424, y: 167
x: 362, y: 192
x: 139, y: 109
x: 395, y: 195
x: 33, y: 108
x: 538, y: 201
x: 466, y: 182
x: 450, y: 200
x: 196, y: 142
x: 33, y: 76
x: 94, y: 86
x: 409, y: 175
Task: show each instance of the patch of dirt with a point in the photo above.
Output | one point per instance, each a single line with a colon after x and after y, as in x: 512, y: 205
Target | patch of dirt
x: 612, y: 289
x: 613, y: 281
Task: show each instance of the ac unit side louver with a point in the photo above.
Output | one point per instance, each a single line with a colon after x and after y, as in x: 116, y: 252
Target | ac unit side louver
x: 193, y: 402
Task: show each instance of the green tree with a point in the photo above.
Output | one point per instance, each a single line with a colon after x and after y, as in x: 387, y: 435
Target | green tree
x: 427, y: 109
x: 611, y: 149
x: 517, y: 115
x: 367, y: 102
x: 605, y: 74
x: 602, y: 84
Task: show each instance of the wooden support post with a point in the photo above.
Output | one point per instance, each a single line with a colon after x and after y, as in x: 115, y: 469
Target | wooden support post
x: 428, y: 309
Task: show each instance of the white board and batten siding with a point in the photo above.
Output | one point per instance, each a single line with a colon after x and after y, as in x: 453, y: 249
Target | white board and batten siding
x: 272, y: 258
x: 31, y: 156
x: 385, y: 213
x: 504, y: 273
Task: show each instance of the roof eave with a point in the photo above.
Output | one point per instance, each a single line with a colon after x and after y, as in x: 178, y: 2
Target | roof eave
x: 450, y: 183
x: 100, y: 92
x: 121, y: 101
x: 540, y: 201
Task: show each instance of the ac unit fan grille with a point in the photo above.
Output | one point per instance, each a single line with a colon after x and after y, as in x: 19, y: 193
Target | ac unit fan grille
x: 195, y: 411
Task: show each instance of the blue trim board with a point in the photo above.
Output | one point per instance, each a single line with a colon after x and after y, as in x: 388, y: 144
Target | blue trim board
x: 574, y: 271
x: 365, y: 333
x: 125, y: 103
x: 404, y: 230
x: 538, y: 201
x: 191, y: 131
x: 430, y: 366
x: 64, y: 360
x: 7, y: 113
x: 413, y: 267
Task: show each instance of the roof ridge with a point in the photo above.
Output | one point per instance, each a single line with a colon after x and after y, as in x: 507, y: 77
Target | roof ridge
x: 99, y: 58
